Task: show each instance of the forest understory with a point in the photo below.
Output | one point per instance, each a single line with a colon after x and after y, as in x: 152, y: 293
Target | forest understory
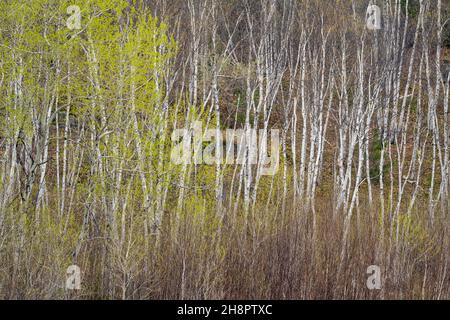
x: 355, y: 121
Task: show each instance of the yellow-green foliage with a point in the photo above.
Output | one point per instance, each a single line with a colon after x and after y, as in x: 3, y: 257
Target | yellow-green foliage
x: 415, y: 234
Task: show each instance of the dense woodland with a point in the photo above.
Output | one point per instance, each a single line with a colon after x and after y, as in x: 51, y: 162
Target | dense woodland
x: 86, y: 122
